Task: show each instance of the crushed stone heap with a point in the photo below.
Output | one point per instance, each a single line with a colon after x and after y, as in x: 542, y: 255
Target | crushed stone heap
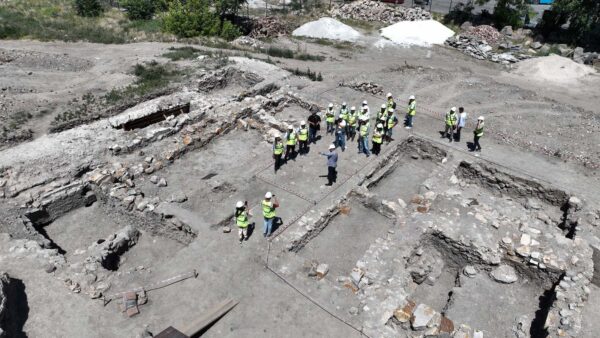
x: 376, y: 11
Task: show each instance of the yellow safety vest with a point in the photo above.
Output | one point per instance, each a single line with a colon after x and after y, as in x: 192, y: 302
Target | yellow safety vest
x: 291, y: 139
x: 329, y: 116
x: 391, y: 121
x: 382, y: 115
x: 390, y: 104
x: 278, y: 149
x: 242, y: 219
x: 479, y: 131
x: 378, y: 136
x: 268, y: 209
x: 364, y: 129
x: 303, y: 134
x: 450, y: 119
x: 412, y: 108
x: 352, y: 119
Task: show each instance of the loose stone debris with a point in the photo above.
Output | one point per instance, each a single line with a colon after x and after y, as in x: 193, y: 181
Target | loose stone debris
x: 368, y: 10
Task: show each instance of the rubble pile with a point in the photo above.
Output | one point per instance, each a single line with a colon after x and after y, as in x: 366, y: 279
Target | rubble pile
x: 368, y: 10
x: 480, y: 49
x: 486, y: 33
x: 3, y: 285
x: 246, y: 41
x: 367, y: 87
x: 268, y: 27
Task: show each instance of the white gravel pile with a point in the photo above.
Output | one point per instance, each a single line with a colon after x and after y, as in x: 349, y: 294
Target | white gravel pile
x: 417, y: 33
x: 553, y: 68
x: 327, y: 28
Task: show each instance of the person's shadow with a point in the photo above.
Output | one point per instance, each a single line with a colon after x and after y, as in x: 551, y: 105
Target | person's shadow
x: 18, y: 309
x: 277, y: 222
x: 471, y: 146
x: 250, y: 230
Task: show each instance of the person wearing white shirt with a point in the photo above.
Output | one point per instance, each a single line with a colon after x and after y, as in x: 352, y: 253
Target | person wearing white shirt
x: 462, y: 121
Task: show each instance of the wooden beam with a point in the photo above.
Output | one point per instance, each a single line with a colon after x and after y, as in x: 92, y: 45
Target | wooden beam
x: 209, y: 317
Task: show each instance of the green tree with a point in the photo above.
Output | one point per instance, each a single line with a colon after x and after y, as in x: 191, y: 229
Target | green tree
x: 509, y: 12
x: 89, y: 8
x: 228, y: 8
x: 583, y: 17
x: 188, y: 18
x: 139, y: 9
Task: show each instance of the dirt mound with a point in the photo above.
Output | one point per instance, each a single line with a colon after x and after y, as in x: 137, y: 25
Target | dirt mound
x: 327, y: 28
x: 268, y: 27
x: 418, y: 33
x: 368, y: 10
x: 556, y: 69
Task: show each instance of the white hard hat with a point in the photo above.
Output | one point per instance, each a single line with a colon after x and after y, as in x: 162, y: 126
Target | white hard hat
x: 344, y: 104
x: 290, y: 127
x: 343, y: 123
x: 353, y: 108
x: 239, y: 204
x: 412, y: 97
x: 268, y: 195
x: 302, y: 123
x: 331, y: 105
x: 389, y: 94
x: 453, y: 109
x: 383, y: 106
x: 379, y: 125
x: 392, y: 110
x: 364, y: 103
x: 480, y: 118
x: 332, y: 146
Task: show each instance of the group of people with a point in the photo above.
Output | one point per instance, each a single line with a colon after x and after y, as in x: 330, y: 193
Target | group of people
x: 454, y: 124
x: 347, y: 124
x: 242, y: 216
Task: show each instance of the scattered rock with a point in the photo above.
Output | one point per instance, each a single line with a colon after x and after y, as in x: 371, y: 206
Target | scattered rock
x: 322, y: 270
x: 226, y: 229
x: 367, y: 10
x: 162, y: 182
x: 178, y: 197
x: 421, y: 317
x: 504, y: 274
x: 469, y: 271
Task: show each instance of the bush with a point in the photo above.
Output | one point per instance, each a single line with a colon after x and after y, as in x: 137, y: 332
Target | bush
x: 140, y: 9
x: 229, y: 31
x: 190, y: 19
x: 88, y: 8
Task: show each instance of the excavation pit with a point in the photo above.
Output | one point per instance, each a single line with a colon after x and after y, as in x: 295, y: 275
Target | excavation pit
x: 346, y: 237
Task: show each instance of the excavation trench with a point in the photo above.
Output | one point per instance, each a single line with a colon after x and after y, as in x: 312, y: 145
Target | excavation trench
x: 438, y: 265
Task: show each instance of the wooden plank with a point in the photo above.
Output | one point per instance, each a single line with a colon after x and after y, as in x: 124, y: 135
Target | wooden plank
x: 170, y: 332
x: 209, y: 317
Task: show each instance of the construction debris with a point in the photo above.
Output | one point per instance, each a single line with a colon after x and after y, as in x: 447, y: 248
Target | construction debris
x: 367, y: 87
x: 480, y: 49
x: 368, y: 10
x: 268, y: 27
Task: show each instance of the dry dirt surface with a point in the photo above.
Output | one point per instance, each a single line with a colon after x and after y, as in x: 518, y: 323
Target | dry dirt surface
x: 424, y: 239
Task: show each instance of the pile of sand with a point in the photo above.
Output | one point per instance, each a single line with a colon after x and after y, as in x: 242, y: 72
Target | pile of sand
x: 553, y: 68
x: 418, y: 33
x: 327, y: 28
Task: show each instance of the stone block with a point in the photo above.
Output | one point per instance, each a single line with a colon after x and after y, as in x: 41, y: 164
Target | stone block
x: 421, y: 317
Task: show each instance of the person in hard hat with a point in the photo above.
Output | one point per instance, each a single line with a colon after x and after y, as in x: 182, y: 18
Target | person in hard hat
x: 340, y: 134
x: 377, y: 139
x: 352, y: 123
x: 269, y: 204
x: 363, y: 135
x: 343, y: 114
x: 365, y: 108
x: 241, y: 219
x: 382, y: 115
x: 330, y: 119
x: 291, y: 138
x: 410, y: 112
x: 391, y: 122
x: 390, y: 104
x: 303, y: 139
x: 277, y: 152
x: 477, y: 134
x: 451, y: 121
x: 314, y: 125
x: 462, y: 121
x: 332, y: 158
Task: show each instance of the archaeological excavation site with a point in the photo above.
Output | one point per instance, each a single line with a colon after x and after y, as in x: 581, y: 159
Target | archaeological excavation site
x: 121, y: 165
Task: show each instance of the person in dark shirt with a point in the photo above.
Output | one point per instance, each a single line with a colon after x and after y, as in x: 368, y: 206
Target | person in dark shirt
x: 314, y: 124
